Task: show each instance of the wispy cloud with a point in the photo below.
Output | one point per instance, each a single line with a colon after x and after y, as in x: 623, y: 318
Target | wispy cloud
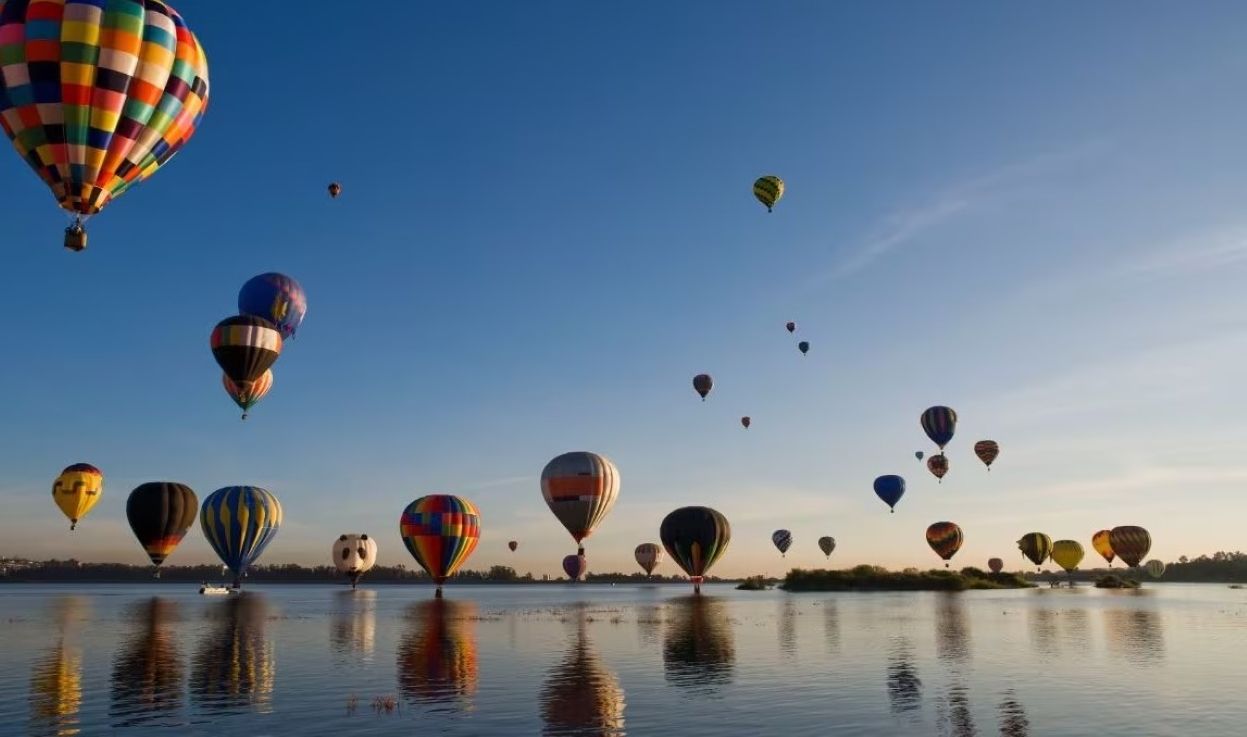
x: 912, y: 223
x: 1193, y: 254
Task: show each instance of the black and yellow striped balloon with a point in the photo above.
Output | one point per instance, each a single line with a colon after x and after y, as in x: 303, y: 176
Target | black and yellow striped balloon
x: 768, y: 189
x: 1036, y: 546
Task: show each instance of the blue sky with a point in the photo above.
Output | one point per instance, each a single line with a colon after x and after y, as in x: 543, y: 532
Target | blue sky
x: 1031, y: 214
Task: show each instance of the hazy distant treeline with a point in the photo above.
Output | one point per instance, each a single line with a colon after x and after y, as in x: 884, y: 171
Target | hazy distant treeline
x: 1219, y: 567
x: 53, y: 571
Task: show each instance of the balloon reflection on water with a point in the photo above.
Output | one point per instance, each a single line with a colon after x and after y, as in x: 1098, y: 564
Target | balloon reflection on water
x: 148, y: 674
x: 56, y: 679
x: 581, y: 696
x: 699, y: 650
x: 437, y: 657
x: 234, y: 666
x: 353, y: 627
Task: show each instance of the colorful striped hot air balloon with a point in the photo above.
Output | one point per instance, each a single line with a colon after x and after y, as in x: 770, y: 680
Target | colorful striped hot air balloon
x: 1067, y: 554
x: 782, y: 540
x: 939, y: 423
x: 278, y: 298
x: 96, y: 96
x: 695, y: 537
x: 1130, y: 543
x: 702, y: 384
x: 945, y: 539
x: 248, y: 393
x: 648, y: 556
x: 245, y: 347
x: 890, y: 489
x: 768, y: 189
x: 987, y: 450
x: 1100, y: 541
x: 160, y: 513
x: 1036, y: 546
x: 827, y: 544
x: 440, y: 531
x: 239, y: 523
x: 580, y: 488
x: 938, y: 466
x: 76, y: 490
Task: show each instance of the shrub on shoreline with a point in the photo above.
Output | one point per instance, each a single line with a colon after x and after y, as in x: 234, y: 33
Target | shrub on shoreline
x: 877, y: 578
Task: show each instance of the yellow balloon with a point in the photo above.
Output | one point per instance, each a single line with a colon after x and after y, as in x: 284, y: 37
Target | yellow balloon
x: 1067, y: 554
x: 76, y: 490
x: 768, y: 190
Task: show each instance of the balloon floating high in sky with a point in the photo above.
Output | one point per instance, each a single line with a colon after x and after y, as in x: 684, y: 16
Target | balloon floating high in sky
x: 239, y: 522
x: 791, y: 326
x: 939, y: 423
x: 335, y: 189
x: 768, y: 189
x: 77, y: 490
x: 804, y: 347
x: 702, y: 384
x: 890, y: 489
x: 580, y: 488
x: 97, y: 96
x: 247, y: 394
x: 245, y: 347
x: 987, y: 450
x: 695, y: 537
x: 274, y: 297
x: 938, y: 466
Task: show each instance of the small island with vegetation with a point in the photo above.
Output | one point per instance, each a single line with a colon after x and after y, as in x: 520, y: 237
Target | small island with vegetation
x: 1112, y: 581
x: 877, y: 578
x: 756, y: 583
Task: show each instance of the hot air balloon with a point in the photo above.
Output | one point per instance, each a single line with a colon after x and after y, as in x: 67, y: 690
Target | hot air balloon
x: 335, y: 189
x: 245, y: 347
x: 918, y: 454
x: 239, y: 523
x: 276, y: 298
x: 702, y: 384
x: 890, y: 489
x: 575, y: 566
x: 804, y: 347
x: 580, y: 488
x: 746, y: 422
x: 648, y: 556
x: 768, y: 189
x: 354, y: 555
x: 1036, y: 546
x: 938, y: 466
x: 1130, y: 543
x: 792, y: 327
x: 513, y: 545
x: 782, y: 540
x: 440, y: 531
x: 1154, y: 568
x: 987, y: 450
x: 939, y: 423
x: 695, y: 537
x: 945, y: 539
x: 1067, y: 554
x: 995, y: 564
x: 98, y: 96
x: 76, y: 490
x: 1100, y: 541
x: 248, y: 393
x: 160, y: 513
x: 827, y: 544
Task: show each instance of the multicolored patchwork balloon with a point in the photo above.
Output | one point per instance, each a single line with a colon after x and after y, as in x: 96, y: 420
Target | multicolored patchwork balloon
x: 76, y: 490
x: 945, y: 539
x: 248, y: 393
x: 275, y: 297
x: 580, y: 488
x: 239, y: 523
x: 97, y: 96
x: 440, y: 531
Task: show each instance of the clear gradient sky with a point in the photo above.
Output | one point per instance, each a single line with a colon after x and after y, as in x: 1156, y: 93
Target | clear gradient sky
x: 1032, y: 213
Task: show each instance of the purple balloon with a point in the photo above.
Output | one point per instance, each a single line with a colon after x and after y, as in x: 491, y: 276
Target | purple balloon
x: 575, y: 566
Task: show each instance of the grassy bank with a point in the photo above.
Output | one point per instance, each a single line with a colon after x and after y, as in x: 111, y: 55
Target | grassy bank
x: 877, y: 578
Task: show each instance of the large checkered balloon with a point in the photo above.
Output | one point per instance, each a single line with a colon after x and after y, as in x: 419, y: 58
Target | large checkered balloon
x: 98, y: 94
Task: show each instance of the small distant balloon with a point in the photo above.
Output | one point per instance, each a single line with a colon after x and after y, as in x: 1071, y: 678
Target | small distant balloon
x: 335, y: 189
x: 890, y: 489
x: 827, y: 544
x: 746, y: 422
x: 248, y: 393
x: 702, y: 384
x: 792, y: 327
x: 995, y: 564
x: 804, y: 347
x: 987, y: 450
x: 938, y: 466
x: 918, y: 454
x: 648, y: 556
x: 768, y: 189
x: 575, y: 566
x: 1154, y: 568
x: 782, y: 540
x: 513, y: 545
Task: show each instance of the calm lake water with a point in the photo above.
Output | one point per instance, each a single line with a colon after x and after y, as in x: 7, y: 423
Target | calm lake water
x: 602, y: 660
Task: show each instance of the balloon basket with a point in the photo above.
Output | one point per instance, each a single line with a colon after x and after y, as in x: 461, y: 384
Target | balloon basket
x: 76, y: 237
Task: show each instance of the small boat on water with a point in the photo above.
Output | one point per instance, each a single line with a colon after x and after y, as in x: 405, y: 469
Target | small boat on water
x: 209, y: 589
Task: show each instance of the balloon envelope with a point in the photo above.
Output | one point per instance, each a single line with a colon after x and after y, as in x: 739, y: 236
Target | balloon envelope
x: 76, y: 490
x: 918, y: 454
x: 938, y: 465
x: 513, y: 545
x: 1130, y: 543
x: 768, y: 189
x: 245, y: 347
x: 945, y: 539
x: 890, y: 489
x: 239, y: 523
x: 276, y: 298
x: 804, y: 347
x: 792, y: 327
x: 648, y: 556
x: 440, y: 531
x: 1067, y: 554
x: 160, y: 513
x: 702, y: 384
x: 695, y: 537
x: 1100, y: 541
x: 1036, y: 546
x: 575, y: 566
x: 354, y: 555
x: 580, y: 488
x: 782, y: 540
x: 1154, y: 568
x: 939, y: 423
x: 995, y: 564
x: 827, y: 544
x: 746, y: 422
x: 248, y: 393
x: 987, y: 450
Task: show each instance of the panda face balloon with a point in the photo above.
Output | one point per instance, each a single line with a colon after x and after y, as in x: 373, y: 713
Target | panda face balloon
x: 353, y: 555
